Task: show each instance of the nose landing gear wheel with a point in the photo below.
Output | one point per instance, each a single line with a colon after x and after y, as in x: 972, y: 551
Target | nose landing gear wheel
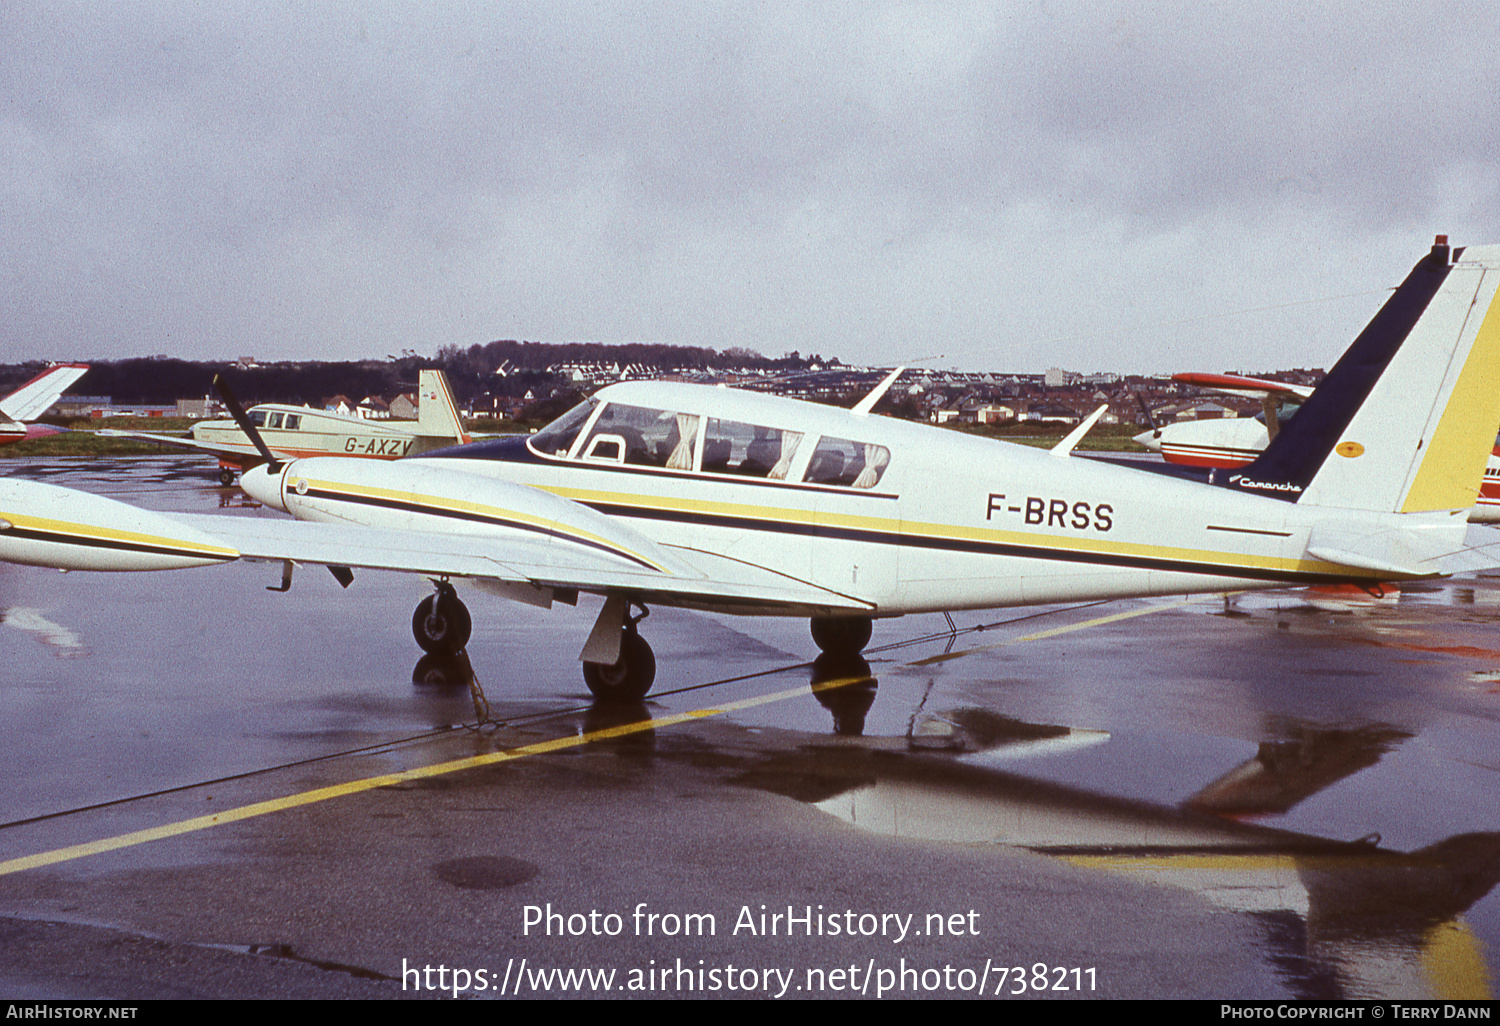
x: 841, y: 635
x: 441, y: 623
x: 627, y: 680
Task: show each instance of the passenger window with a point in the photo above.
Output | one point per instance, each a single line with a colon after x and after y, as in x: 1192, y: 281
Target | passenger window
x: 258, y: 418
x: 273, y: 421
x: 838, y: 461
x: 730, y: 447
x: 293, y: 421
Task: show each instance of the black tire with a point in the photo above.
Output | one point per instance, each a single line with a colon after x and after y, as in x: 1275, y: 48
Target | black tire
x: 226, y: 476
x: 627, y: 680
x: 842, y: 635
x: 441, y: 623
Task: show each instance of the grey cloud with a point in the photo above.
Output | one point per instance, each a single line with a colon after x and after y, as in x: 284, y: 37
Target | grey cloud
x: 779, y: 175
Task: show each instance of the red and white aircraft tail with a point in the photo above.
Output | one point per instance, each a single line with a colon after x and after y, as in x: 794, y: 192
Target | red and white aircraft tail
x: 34, y: 398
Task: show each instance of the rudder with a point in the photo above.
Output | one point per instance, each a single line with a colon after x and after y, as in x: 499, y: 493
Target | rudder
x: 437, y: 414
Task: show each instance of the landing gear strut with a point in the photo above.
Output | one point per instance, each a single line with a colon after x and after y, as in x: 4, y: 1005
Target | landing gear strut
x: 841, y: 635
x: 442, y: 623
x: 629, y: 678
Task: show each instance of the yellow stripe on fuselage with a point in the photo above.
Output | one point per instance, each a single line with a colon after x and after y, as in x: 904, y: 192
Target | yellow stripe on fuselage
x: 1230, y: 561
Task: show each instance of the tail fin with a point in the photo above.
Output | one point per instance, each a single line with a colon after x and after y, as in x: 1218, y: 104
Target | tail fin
x: 1407, y: 418
x: 437, y: 414
x: 32, y: 399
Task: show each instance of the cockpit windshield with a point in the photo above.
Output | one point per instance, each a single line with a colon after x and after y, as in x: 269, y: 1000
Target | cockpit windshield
x: 556, y: 439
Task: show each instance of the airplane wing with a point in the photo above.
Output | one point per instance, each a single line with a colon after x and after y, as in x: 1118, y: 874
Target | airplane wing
x: 537, y: 545
x: 698, y: 578
x: 34, y: 398
x: 694, y: 578
x: 232, y: 453
x: 1234, y: 384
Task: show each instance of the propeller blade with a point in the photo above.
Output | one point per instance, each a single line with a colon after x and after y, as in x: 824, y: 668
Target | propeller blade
x: 1150, y: 420
x: 251, y: 432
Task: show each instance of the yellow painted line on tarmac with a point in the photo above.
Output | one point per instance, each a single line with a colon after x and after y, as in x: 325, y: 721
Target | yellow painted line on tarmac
x: 323, y: 794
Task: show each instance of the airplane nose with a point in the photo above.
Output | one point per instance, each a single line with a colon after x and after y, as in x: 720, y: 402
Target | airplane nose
x: 264, y: 486
x: 1149, y: 439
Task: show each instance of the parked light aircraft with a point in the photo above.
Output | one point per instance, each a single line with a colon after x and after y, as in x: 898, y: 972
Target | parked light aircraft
x: 293, y: 432
x: 1231, y: 442
x: 736, y: 502
x: 33, y: 399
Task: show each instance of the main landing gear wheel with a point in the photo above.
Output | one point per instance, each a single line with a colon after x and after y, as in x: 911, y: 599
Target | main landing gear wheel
x: 441, y: 623
x: 841, y: 635
x: 226, y: 476
x: 627, y: 680
x: 631, y: 676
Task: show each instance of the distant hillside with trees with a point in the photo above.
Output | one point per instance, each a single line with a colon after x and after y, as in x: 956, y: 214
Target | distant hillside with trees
x: 472, y: 371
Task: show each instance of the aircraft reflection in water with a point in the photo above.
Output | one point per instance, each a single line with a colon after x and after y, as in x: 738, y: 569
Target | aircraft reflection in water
x: 845, y: 687
x: 1339, y: 919
x: 842, y: 684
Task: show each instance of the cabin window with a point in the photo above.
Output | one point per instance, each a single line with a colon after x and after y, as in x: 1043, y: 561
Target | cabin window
x: 293, y: 421
x: 274, y: 421
x: 839, y: 461
x: 730, y: 447
x: 648, y: 438
x: 556, y: 439
x: 258, y: 418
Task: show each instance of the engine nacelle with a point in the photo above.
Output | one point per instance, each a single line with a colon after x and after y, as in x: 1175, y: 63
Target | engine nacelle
x: 408, y: 495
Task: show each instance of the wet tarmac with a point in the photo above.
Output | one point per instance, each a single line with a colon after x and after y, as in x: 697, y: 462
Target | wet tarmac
x: 215, y: 790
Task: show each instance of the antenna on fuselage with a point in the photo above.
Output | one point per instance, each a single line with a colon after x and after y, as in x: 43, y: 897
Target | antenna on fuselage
x: 867, y: 404
x: 1065, y: 447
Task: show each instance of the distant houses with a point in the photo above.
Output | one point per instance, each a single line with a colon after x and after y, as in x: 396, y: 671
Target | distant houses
x: 1058, y: 396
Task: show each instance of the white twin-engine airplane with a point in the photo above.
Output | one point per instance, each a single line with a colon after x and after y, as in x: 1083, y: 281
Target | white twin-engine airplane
x: 291, y: 432
x: 735, y: 502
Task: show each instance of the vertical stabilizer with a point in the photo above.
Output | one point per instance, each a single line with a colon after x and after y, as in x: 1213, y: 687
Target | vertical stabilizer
x: 1407, y: 418
x: 437, y: 414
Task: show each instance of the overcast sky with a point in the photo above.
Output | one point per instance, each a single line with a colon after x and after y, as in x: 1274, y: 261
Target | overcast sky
x: 1123, y: 187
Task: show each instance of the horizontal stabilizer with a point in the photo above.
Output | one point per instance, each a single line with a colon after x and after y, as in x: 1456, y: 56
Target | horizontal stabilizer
x: 1401, y: 551
x: 35, y: 397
